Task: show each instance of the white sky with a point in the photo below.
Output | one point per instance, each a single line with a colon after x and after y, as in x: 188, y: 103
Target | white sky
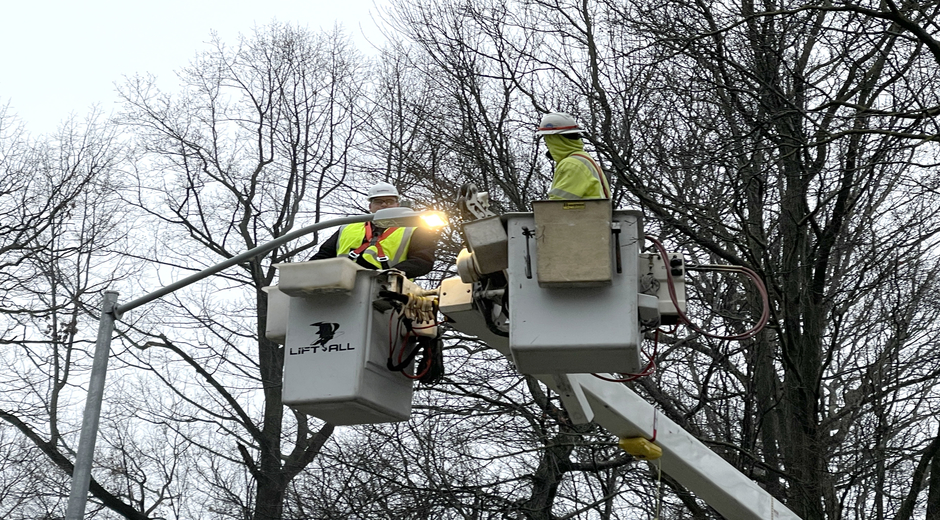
x: 60, y: 57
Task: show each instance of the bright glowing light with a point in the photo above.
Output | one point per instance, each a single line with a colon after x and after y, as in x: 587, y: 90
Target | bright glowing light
x: 434, y: 219
x: 407, y: 217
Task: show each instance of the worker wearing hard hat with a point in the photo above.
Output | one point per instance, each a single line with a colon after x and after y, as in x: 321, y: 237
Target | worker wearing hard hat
x: 410, y: 250
x: 577, y: 175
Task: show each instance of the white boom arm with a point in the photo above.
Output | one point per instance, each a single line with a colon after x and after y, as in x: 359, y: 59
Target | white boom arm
x: 625, y: 414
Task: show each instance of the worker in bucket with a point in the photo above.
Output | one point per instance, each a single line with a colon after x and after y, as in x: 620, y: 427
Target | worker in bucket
x: 577, y: 174
x: 407, y: 249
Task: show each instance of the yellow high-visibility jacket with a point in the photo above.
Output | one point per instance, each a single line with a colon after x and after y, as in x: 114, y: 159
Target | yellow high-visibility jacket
x: 390, y: 246
x: 577, y: 175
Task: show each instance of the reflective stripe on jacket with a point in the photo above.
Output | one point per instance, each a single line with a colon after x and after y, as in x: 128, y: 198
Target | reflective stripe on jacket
x: 394, y: 245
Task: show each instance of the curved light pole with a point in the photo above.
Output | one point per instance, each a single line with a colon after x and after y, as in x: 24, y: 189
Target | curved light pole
x: 111, y: 311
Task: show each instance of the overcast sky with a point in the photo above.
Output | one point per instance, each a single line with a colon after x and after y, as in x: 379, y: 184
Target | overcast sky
x: 60, y: 57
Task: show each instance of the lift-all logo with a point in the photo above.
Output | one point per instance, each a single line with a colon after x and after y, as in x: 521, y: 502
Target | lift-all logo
x: 326, y: 331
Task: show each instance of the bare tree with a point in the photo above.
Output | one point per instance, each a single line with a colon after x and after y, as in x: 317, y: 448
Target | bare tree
x: 62, y: 232
x: 818, y: 186
x: 257, y: 142
x: 793, y: 141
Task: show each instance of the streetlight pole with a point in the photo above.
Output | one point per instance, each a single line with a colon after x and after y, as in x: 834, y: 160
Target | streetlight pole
x: 110, y: 312
x: 81, y: 474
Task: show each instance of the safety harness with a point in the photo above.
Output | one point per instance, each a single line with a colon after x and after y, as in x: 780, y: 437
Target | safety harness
x: 369, y: 240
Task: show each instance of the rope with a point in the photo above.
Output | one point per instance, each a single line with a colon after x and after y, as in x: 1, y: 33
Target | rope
x: 659, y: 488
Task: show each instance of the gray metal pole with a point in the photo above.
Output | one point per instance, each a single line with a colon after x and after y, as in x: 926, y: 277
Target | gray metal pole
x: 81, y: 475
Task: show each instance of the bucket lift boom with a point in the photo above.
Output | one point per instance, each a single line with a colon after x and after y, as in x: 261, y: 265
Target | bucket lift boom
x: 561, y: 292
x: 555, y: 287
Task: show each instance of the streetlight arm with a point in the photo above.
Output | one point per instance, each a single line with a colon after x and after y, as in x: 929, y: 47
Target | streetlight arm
x: 264, y: 248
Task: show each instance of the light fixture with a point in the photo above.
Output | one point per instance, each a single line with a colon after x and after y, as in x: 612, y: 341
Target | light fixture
x: 434, y: 219
x: 407, y: 217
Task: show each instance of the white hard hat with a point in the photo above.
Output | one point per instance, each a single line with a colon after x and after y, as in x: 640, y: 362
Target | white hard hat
x: 558, y: 123
x: 382, y: 189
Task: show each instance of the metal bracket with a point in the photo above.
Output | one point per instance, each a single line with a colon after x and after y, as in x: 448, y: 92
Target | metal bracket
x: 473, y: 204
x: 572, y: 395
